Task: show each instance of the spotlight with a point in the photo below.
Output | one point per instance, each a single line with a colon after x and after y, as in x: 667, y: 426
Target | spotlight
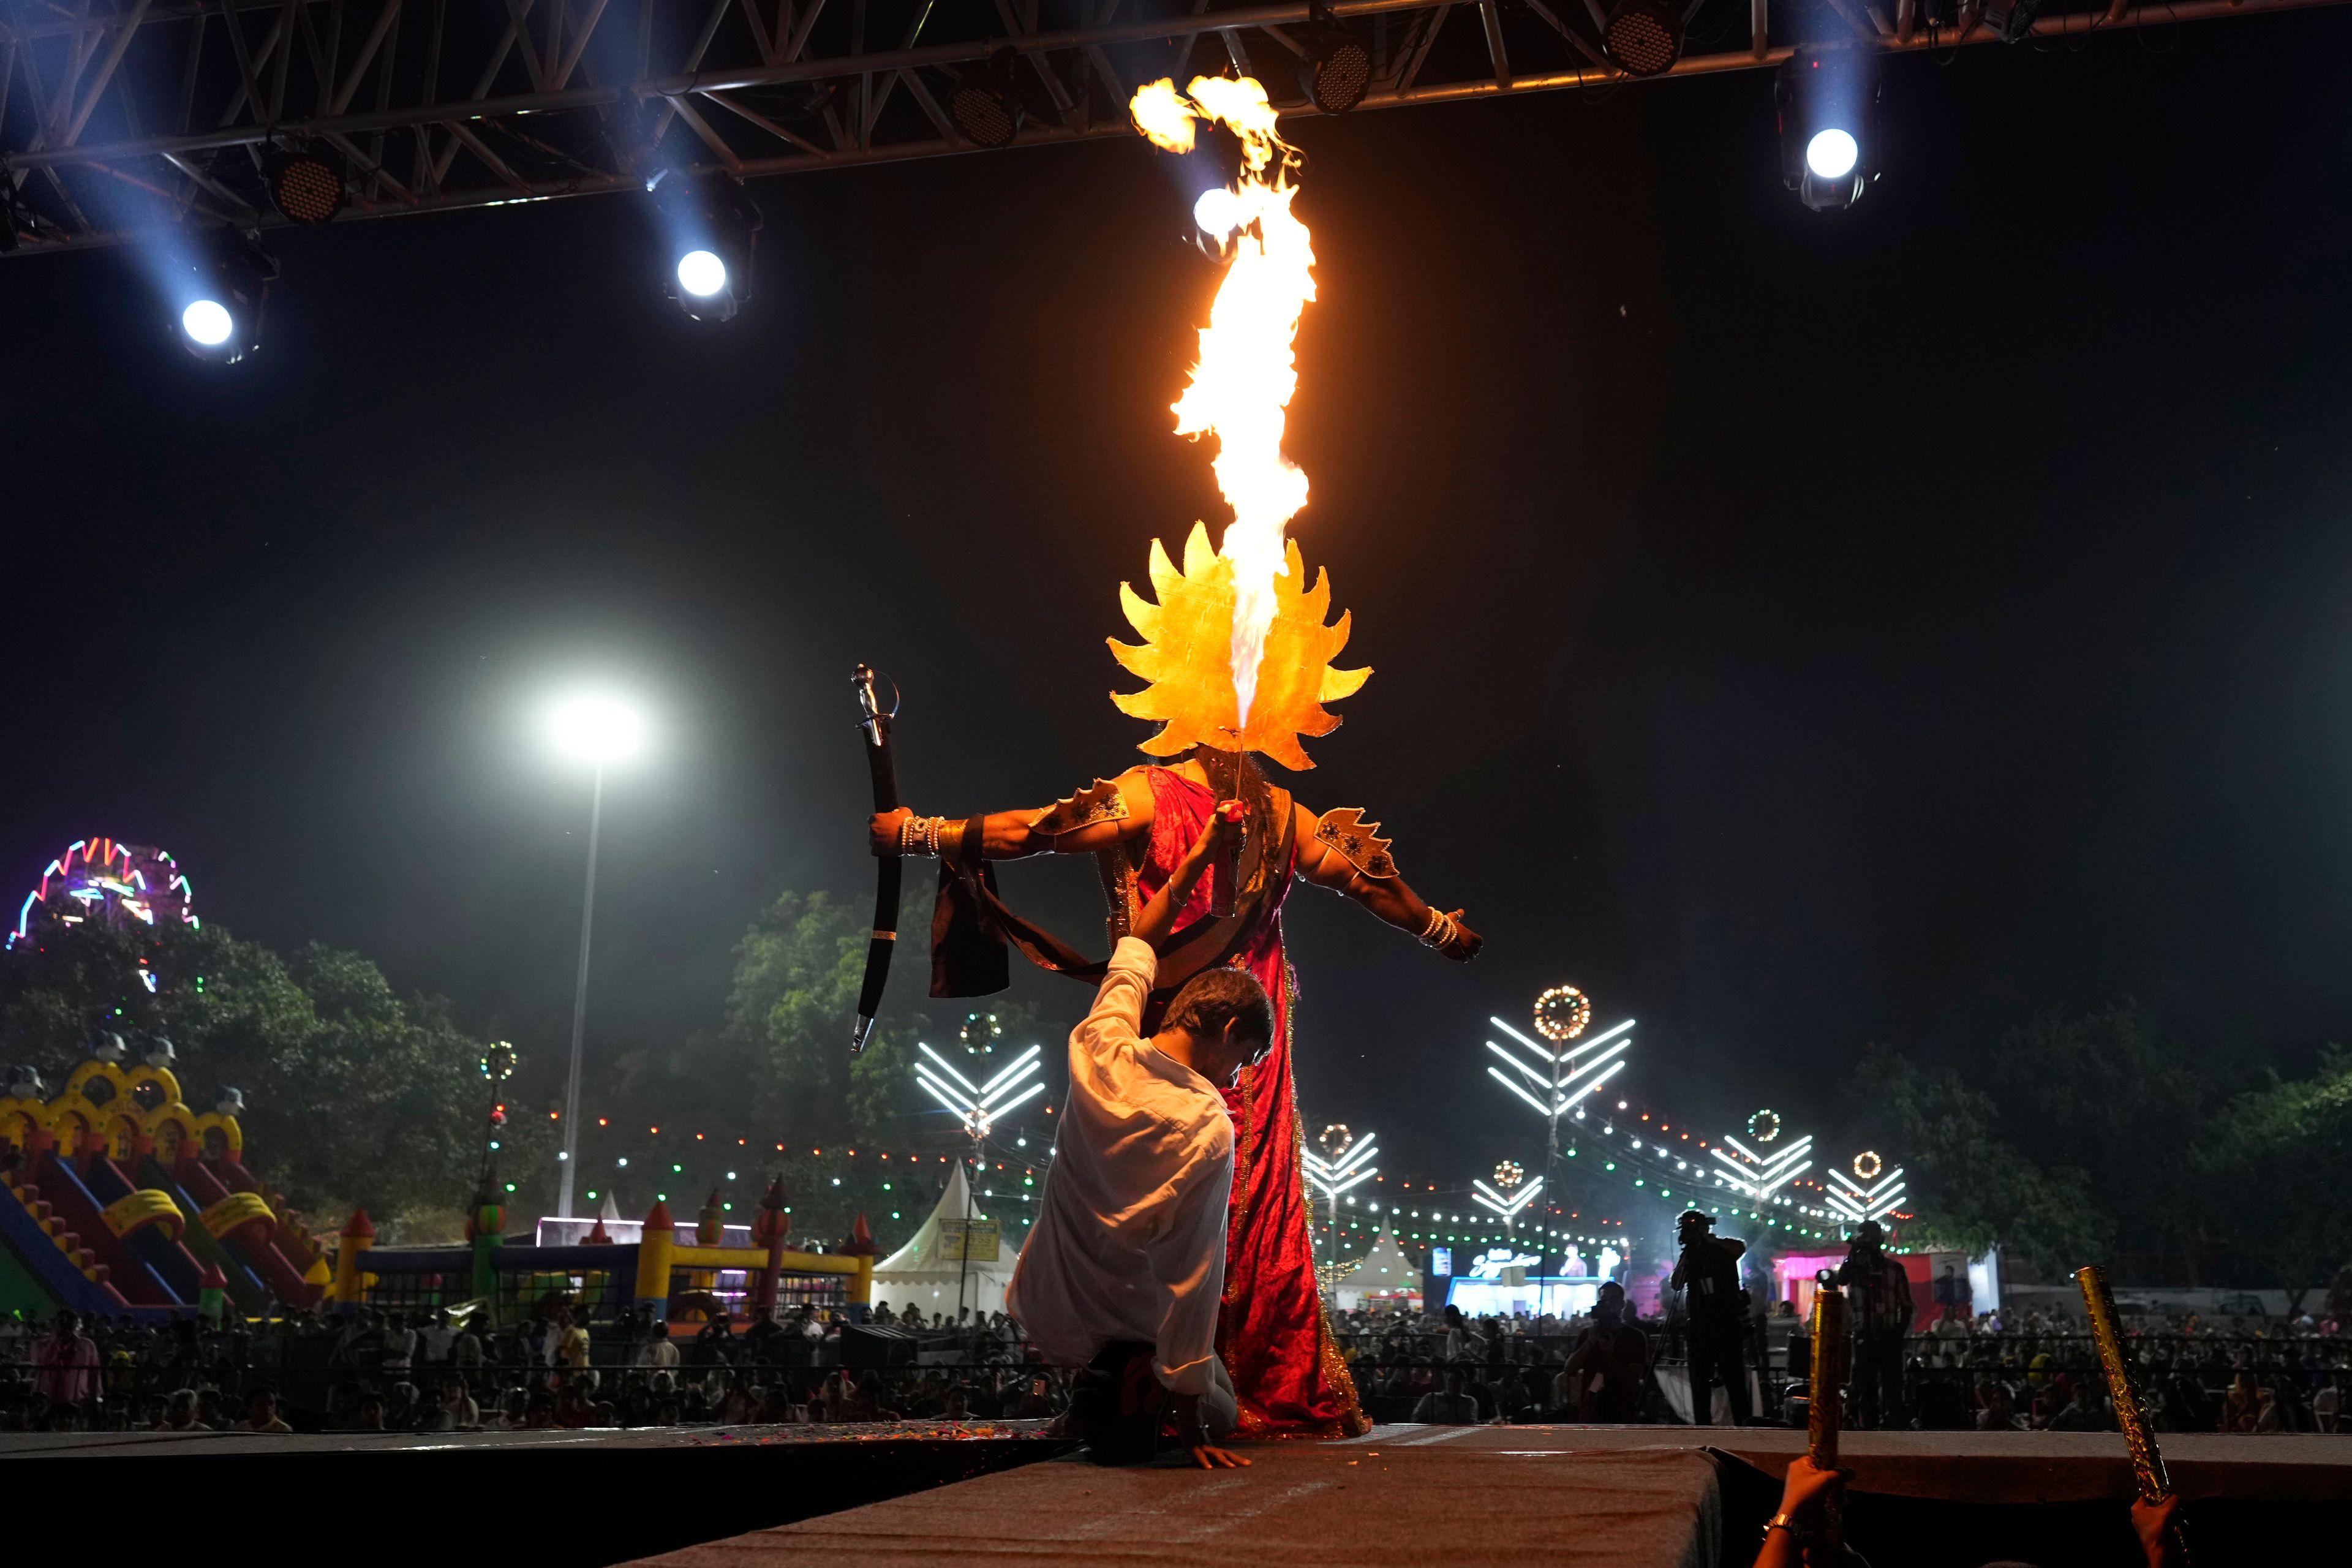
x: 1219, y: 212
x: 220, y: 299
x: 987, y: 112
x: 1337, y: 71
x: 2013, y: 19
x: 1644, y: 37
x: 307, y: 187
x: 1826, y: 97
x: 714, y: 230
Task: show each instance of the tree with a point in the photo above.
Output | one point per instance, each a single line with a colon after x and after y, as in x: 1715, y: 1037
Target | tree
x: 797, y: 973
x: 1973, y: 1187
x: 2285, y: 1151
x: 352, y: 1095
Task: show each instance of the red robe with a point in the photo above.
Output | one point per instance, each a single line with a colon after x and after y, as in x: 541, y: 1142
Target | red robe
x: 1272, y: 1333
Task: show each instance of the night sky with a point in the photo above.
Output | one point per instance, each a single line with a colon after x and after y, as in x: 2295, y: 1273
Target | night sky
x: 1797, y: 631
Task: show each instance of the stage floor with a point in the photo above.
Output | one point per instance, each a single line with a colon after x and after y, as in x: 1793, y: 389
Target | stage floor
x: 1559, y: 1497
x: 1003, y: 1492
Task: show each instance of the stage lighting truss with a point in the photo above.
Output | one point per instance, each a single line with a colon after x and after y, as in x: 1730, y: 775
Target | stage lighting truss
x: 1335, y: 1178
x: 118, y: 121
x: 1761, y: 1177
x: 1560, y: 1073
x: 1855, y: 1203
x: 1509, y: 1206
x: 980, y: 1107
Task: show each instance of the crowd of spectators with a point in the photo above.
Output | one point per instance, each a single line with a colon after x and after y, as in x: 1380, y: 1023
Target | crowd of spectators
x: 430, y: 1372
x: 2033, y: 1372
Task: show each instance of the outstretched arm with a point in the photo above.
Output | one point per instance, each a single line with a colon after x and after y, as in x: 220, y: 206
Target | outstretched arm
x: 1012, y: 834
x: 1388, y: 897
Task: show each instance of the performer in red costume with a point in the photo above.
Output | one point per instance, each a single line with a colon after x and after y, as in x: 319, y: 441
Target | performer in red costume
x: 1273, y: 1333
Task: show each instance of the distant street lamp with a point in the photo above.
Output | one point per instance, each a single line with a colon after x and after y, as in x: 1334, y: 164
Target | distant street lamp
x: 596, y: 730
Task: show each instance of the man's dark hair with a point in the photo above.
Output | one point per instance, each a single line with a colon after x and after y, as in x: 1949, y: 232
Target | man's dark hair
x: 1215, y: 997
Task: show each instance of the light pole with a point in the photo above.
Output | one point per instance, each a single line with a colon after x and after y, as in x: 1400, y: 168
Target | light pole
x: 596, y: 730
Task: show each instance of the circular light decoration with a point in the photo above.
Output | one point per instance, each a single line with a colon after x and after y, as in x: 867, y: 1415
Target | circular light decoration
x: 1509, y: 1174
x: 1335, y: 1140
x: 1867, y: 1164
x: 102, y: 881
x: 498, y: 1062
x: 980, y: 1031
x: 1561, y: 1013
x: 1763, y: 1125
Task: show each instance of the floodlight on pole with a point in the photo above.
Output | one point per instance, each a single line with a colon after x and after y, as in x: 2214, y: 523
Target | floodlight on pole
x: 597, y: 729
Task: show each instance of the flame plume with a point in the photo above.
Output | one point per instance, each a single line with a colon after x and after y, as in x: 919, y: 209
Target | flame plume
x: 1247, y: 371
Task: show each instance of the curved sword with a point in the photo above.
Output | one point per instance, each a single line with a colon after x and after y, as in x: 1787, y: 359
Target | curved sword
x: 881, y: 764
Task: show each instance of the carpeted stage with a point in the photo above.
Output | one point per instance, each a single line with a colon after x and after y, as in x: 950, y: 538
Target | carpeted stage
x: 880, y: 1497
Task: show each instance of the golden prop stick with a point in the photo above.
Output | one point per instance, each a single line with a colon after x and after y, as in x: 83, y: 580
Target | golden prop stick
x: 2148, y: 1464
x: 1826, y: 1409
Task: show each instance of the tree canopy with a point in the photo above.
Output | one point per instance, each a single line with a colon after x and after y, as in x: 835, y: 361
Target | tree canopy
x: 352, y: 1095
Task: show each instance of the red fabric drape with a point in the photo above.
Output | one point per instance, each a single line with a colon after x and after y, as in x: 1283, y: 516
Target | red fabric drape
x: 1272, y: 1334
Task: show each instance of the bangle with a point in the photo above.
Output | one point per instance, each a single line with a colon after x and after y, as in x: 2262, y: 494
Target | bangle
x: 920, y: 835
x: 1782, y: 1521
x: 1441, y: 928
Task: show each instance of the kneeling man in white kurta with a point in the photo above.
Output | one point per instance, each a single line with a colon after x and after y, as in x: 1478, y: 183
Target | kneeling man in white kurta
x: 1126, y: 1265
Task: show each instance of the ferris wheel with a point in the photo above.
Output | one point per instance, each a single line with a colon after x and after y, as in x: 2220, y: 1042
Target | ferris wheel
x: 105, y: 881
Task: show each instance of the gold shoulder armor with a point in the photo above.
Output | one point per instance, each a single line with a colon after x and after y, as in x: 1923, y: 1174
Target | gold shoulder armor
x: 1098, y: 802
x: 1344, y: 829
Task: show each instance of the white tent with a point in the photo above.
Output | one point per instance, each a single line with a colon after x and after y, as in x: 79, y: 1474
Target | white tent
x: 1384, y: 1270
x: 932, y: 1270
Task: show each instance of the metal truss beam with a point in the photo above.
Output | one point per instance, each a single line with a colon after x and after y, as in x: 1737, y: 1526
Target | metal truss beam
x: 149, y: 114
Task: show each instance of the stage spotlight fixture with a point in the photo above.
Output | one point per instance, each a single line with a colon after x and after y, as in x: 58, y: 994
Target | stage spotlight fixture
x: 220, y: 299
x: 2013, y: 19
x: 1337, y: 69
x: 1644, y: 37
x: 307, y: 186
x: 988, y: 112
x: 1826, y: 97
x: 715, y: 228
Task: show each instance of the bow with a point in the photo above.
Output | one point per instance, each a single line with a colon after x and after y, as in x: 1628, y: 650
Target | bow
x: 883, y: 767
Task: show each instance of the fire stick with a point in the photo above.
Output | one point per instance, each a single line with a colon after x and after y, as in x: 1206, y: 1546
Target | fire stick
x: 1826, y: 1408
x: 2147, y: 1465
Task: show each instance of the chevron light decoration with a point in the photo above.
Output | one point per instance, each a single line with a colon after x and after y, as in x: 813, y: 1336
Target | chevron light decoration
x: 1508, y: 1207
x: 1351, y: 1168
x: 1757, y: 1176
x: 1560, y: 1072
x: 978, y: 1106
x: 1852, y: 1202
